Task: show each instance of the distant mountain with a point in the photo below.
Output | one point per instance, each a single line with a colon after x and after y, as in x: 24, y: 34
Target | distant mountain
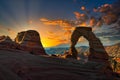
x: 61, y: 50
x: 113, y: 50
x: 56, y: 50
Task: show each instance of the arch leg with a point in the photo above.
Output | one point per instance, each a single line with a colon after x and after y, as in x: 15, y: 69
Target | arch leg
x: 74, y: 39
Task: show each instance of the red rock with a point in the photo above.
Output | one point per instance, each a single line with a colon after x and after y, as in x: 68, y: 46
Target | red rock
x: 7, y: 43
x: 97, y: 51
x: 30, y: 41
x: 29, y: 67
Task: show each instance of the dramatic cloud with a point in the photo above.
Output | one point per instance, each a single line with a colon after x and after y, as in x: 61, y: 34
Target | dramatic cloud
x: 83, y: 8
x: 56, y: 38
x: 43, y: 19
x: 92, y: 21
x: 82, y: 18
x: 59, y: 22
x: 65, y: 26
x: 99, y: 22
x: 108, y: 14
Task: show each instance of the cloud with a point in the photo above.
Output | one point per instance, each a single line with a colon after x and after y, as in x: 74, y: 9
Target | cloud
x: 83, y: 8
x: 110, y: 14
x: 57, y: 39
x: 99, y: 23
x: 50, y: 33
x: 65, y: 26
x: 57, y: 22
x: 110, y: 18
x: 107, y: 14
x: 81, y: 17
x: 92, y: 21
x: 43, y: 19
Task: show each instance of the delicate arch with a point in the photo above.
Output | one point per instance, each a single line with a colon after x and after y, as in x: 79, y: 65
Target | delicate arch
x: 97, y: 51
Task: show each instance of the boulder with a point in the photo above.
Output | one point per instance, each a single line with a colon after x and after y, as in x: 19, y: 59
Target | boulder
x: 30, y: 41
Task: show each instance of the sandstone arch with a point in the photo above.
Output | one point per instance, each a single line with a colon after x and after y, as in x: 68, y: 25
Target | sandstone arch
x: 97, y: 51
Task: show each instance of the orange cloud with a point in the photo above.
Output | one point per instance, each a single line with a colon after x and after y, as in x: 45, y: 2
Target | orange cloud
x: 99, y: 23
x: 57, y: 38
x: 105, y: 7
x: 82, y: 18
x: 54, y: 42
x: 92, y: 21
x: 68, y: 28
x: 110, y: 18
x: 50, y: 33
x: 110, y: 13
x: 43, y: 19
x: 58, y: 22
x: 68, y: 32
x: 83, y: 8
x: 77, y: 15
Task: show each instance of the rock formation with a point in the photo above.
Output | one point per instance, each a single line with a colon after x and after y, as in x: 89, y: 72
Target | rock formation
x: 7, y: 43
x: 97, y: 51
x: 19, y: 65
x: 30, y: 41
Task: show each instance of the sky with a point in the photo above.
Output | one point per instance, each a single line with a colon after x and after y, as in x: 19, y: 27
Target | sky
x: 56, y: 19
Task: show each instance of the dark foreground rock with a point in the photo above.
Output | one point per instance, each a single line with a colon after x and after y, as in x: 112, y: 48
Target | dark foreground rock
x: 18, y: 65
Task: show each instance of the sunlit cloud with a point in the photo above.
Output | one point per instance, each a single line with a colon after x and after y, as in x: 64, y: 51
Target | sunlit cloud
x: 108, y: 16
x: 81, y: 17
x: 58, y: 22
x: 58, y: 31
x: 92, y: 21
x: 110, y: 13
x: 43, y: 19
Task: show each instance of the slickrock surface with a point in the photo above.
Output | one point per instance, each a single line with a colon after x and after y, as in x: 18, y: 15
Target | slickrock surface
x: 22, y: 66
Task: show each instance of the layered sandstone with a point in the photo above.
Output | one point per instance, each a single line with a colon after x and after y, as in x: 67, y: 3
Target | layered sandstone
x: 30, y: 41
x: 97, y: 51
x: 7, y: 43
